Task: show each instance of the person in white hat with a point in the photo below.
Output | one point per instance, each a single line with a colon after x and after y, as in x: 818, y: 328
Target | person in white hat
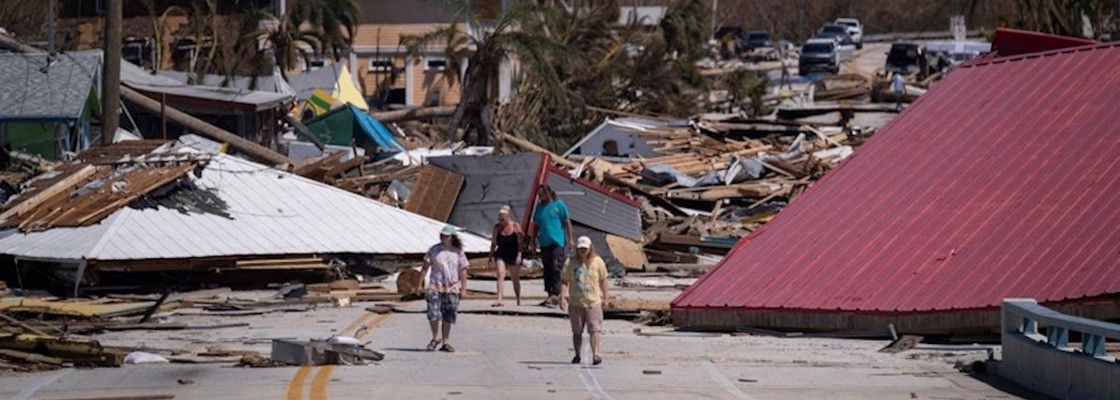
x: 584, y: 283
x: 505, y: 251
x: 445, y: 287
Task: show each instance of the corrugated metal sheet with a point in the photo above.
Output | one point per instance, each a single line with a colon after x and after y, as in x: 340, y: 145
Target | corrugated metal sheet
x: 142, y: 80
x: 491, y: 182
x: 596, y: 209
x: 999, y: 182
x: 238, y: 207
x: 32, y: 89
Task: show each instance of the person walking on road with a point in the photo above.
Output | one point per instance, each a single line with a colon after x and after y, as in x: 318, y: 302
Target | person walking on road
x: 445, y: 287
x: 552, y: 228
x: 584, y: 285
x: 898, y: 83
x: 505, y: 252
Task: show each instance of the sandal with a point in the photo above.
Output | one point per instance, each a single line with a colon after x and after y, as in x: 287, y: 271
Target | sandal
x: 498, y: 304
x: 596, y: 360
x: 576, y: 360
x: 447, y: 347
x: 433, y: 344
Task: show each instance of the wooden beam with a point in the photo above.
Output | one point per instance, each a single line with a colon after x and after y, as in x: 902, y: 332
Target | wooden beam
x: 50, y: 192
x: 23, y: 325
x: 204, y: 128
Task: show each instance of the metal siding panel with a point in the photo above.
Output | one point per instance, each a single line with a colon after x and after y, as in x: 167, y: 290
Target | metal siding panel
x: 597, y: 210
x: 1001, y: 162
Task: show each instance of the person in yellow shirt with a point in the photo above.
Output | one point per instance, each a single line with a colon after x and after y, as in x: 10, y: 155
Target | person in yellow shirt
x: 584, y: 283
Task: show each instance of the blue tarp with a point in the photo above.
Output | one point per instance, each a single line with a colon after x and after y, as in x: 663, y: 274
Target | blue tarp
x: 375, y: 130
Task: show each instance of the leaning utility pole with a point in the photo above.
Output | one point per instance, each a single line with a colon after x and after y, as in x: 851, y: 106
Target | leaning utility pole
x: 111, y: 73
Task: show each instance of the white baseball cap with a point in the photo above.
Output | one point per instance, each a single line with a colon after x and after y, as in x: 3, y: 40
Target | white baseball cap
x: 583, y: 242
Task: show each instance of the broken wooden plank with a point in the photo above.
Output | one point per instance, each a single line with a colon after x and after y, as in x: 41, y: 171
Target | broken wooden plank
x: 19, y: 323
x: 30, y: 357
x: 49, y: 193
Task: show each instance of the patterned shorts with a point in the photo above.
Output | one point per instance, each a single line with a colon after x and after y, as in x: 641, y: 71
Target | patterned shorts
x: 442, y: 306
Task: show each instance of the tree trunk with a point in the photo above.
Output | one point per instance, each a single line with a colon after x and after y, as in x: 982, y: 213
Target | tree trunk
x: 203, y: 128
x: 414, y: 113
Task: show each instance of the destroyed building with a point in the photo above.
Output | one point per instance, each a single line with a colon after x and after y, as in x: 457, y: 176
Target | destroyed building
x: 154, y: 206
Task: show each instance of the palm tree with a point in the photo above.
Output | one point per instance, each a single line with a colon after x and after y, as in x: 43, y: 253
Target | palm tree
x: 286, y: 38
x: 335, y: 20
x: 486, y: 47
x: 204, y: 23
x: 159, y: 25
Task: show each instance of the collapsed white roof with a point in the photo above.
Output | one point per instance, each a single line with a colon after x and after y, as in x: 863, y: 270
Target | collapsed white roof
x: 238, y: 208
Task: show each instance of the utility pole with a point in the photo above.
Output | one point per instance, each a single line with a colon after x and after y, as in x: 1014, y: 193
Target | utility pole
x: 111, y: 73
x: 50, y: 26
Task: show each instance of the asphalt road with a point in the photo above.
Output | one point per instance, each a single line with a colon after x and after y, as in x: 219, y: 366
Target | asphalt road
x: 520, y: 357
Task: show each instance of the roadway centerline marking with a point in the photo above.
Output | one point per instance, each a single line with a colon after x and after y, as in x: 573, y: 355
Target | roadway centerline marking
x: 592, y: 384
x: 30, y: 390
x: 728, y: 387
x: 319, y: 383
x: 295, y: 387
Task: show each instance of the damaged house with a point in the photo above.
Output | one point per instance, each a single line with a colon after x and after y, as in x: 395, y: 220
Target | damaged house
x: 48, y: 102
x: 154, y: 206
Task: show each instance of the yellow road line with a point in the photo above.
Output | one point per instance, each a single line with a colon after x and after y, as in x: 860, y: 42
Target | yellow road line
x: 323, y: 375
x: 295, y: 387
x: 319, y: 384
x: 380, y: 319
x: 354, y: 324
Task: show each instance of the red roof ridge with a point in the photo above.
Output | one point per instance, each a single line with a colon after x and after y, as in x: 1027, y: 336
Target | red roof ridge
x: 1048, y: 53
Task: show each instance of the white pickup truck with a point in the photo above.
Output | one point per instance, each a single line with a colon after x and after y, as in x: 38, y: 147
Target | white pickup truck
x: 855, y: 30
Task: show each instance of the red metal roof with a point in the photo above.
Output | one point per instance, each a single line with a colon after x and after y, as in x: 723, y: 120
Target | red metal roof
x: 1001, y: 181
x: 1011, y: 42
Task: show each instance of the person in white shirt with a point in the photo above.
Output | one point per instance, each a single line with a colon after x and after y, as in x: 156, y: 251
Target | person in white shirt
x: 446, y: 285
x: 899, y: 85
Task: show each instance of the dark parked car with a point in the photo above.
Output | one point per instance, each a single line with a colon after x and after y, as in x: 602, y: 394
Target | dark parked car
x: 837, y: 32
x: 759, y: 40
x: 906, y: 58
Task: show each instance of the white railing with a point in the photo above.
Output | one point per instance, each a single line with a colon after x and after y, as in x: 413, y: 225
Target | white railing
x: 1047, y: 363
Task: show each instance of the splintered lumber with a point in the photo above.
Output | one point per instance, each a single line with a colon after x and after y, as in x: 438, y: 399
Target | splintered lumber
x: 314, y: 168
x: 32, y: 357
x: 49, y: 193
x: 284, y: 263
x: 19, y: 323
x: 204, y: 128
x: 753, y: 190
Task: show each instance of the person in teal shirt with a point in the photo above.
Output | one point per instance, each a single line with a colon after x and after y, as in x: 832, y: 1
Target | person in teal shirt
x: 553, y: 229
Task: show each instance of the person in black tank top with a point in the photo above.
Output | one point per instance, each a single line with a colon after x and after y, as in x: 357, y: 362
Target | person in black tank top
x: 505, y: 252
